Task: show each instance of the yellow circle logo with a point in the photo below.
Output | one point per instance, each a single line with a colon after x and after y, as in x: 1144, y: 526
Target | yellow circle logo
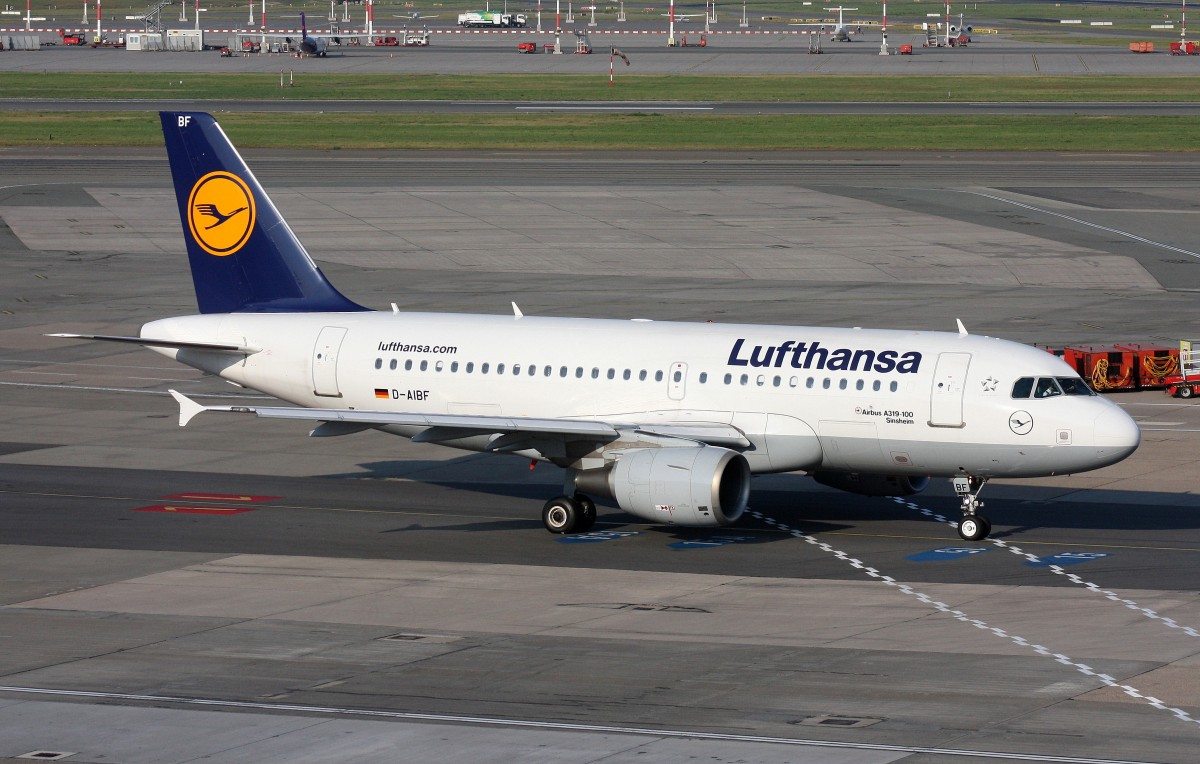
x: 221, y: 213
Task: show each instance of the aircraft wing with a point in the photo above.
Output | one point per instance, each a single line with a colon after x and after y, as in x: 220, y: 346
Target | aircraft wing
x: 444, y: 427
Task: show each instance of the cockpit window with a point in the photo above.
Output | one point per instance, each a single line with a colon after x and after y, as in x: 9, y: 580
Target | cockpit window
x: 1075, y: 386
x: 1023, y: 387
x: 1046, y: 387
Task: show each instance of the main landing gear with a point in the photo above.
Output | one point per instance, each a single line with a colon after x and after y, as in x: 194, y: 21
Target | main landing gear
x: 569, y: 514
x: 973, y: 526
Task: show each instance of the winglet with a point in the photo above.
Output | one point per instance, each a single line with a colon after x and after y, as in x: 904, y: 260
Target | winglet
x: 962, y: 330
x: 188, y: 408
x: 517, y: 311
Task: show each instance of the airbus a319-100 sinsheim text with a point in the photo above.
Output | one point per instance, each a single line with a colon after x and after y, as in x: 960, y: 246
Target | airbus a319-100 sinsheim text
x: 669, y: 420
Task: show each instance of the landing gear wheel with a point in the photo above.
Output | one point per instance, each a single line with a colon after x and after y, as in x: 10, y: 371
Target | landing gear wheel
x: 1186, y: 391
x: 587, y: 513
x: 974, y: 528
x: 561, y: 515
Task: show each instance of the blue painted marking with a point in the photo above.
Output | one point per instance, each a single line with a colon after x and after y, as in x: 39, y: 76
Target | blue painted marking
x: 595, y: 537
x: 947, y: 553
x: 709, y: 543
x: 1066, y: 558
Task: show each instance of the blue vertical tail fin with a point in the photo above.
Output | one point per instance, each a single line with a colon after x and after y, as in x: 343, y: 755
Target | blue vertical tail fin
x: 243, y: 254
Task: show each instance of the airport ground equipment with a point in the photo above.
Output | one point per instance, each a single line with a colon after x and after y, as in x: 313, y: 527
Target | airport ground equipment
x: 527, y: 47
x: 1185, y: 384
x: 492, y: 19
x: 1125, y: 366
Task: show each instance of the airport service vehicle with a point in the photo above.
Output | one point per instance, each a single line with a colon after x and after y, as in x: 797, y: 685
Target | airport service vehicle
x: 487, y: 19
x: 1185, y: 384
x: 670, y: 420
x: 74, y: 38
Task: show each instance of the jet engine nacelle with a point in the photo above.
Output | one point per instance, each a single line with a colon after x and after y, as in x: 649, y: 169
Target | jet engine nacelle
x: 872, y: 485
x: 701, y: 486
x: 955, y: 29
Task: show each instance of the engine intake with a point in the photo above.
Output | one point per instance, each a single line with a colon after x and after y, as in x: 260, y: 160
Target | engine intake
x: 701, y: 486
x: 872, y: 485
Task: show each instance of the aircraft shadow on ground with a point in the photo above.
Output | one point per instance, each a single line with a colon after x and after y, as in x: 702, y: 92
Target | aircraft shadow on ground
x: 803, y: 508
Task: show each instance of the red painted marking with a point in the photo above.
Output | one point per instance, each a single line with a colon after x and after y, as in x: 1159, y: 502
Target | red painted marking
x: 195, y: 510
x: 219, y: 497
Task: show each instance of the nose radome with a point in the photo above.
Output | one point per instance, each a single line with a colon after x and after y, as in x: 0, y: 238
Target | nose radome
x: 1117, y: 435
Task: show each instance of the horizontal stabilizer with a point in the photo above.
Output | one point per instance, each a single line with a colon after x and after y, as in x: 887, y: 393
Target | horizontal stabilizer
x: 153, y: 343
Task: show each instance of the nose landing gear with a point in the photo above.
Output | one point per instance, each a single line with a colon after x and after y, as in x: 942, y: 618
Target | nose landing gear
x: 973, y: 526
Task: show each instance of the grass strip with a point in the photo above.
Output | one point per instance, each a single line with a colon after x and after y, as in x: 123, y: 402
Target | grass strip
x: 519, y: 87
x: 631, y: 131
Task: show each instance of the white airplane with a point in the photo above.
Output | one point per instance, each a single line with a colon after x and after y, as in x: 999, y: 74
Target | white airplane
x: 668, y: 419
x: 308, y: 45
x: 840, y: 32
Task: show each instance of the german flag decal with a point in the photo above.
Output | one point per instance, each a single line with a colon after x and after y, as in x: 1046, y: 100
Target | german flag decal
x: 381, y: 392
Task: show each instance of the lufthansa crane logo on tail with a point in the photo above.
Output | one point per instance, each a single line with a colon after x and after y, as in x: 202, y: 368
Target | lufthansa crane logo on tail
x: 221, y: 213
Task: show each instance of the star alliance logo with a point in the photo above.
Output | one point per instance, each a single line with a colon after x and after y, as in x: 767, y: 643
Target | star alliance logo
x: 989, y: 384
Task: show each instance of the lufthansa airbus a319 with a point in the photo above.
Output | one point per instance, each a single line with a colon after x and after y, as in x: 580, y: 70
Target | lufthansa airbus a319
x: 669, y: 420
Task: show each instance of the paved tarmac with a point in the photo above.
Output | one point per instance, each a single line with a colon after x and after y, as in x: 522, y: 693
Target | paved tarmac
x: 372, y: 598
x: 727, y: 52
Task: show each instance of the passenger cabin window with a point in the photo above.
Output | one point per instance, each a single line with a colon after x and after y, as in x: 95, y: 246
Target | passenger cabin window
x: 392, y: 364
x: 379, y: 363
x: 642, y: 375
x: 424, y: 365
x: 658, y: 376
x: 470, y: 367
x: 408, y: 365
x: 728, y: 378
x: 677, y: 376
x: 703, y: 377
